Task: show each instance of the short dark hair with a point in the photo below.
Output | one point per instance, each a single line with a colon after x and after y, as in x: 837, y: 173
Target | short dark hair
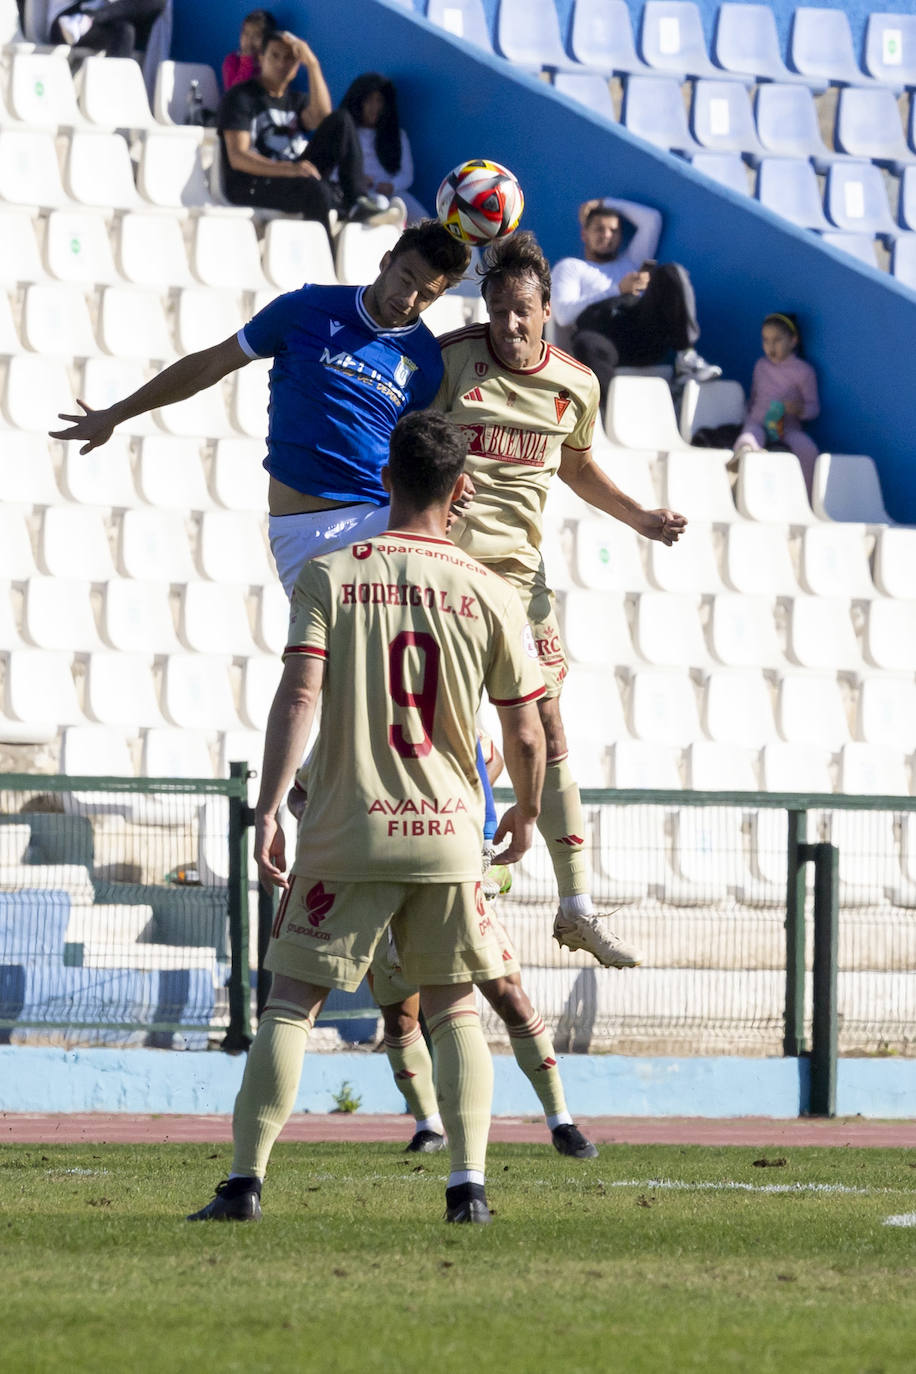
x: 437, y: 247
x: 600, y: 212
x: 512, y: 259
x: 273, y: 36
x: 265, y: 18
x: 426, y: 458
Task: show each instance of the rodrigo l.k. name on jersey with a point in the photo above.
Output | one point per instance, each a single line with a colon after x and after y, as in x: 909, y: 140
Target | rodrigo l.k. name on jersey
x: 517, y: 421
x: 411, y: 629
x: 338, y: 385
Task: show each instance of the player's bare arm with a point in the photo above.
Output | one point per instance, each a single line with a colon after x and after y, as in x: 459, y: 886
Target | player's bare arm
x: 243, y: 158
x: 320, y: 104
x: 288, y: 726
x: 183, y: 379
x: 580, y: 472
x: 525, y: 755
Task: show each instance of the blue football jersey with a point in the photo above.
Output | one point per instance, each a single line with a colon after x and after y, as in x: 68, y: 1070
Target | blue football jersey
x: 338, y: 386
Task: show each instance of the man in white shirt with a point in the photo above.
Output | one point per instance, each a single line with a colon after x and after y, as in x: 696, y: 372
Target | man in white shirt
x: 625, y: 309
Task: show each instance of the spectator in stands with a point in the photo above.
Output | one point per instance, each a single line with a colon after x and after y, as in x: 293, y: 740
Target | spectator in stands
x: 783, y: 396
x: 280, y: 146
x: 625, y: 309
x: 116, y: 27
x: 387, y: 159
x: 246, y: 62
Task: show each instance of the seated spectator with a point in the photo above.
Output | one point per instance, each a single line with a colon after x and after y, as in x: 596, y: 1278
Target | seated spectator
x: 115, y: 27
x: 387, y: 159
x: 246, y: 63
x: 783, y: 396
x: 280, y: 146
x: 625, y: 309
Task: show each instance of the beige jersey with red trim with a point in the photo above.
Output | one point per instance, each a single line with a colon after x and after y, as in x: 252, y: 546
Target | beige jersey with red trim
x: 516, y: 424
x: 411, y: 630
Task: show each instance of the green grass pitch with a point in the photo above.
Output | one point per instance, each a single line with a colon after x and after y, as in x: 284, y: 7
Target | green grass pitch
x: 646, y: 1261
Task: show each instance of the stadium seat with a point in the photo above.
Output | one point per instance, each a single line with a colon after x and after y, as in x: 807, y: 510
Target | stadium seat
x: 810, y: 710
x: 56, y: 321
x: 769, y: 859
x: 689, y: 566
x: 721, y: 118
x: 886, y: 711
x: 869, y: 863
x: 606, y: 557
x: 40, y: 91
x: 57, y: 614
x: 297, y: 251
x: 833, y: 561
x: 868, y: 126
x: 203, y: 415
x: 204, y: 317
x: 136, y: 617
x: 906, y: 203
x: 771, y: 489
x: 462, y: 19
x: 640, y: 414
x: 821, y: 46
x: 672, y: 40
x: 894, y: 568
x: 26, y: 472
x: 594, y: 627
x: 601, y: 37
x: 153, y: 546
x: 106, y: 380
x: 170, y: 474
x: 708, y: 405
x: 171, y: 171
x: 653, y: 109
x: 151, y: 251
x: 666, y: 630
x: 20, y: 260
x: 756, y: 560
x: 592, y: 708
x: 173, y: 85
x: 747, y: 44
x: 359, y: 250
x: 232, y: 548
x: 225, y: 253
x: 737, y: 708
x: 636, y: 763
x: 171, y: 753
x: 237, y: 479
x: 10, y: 341
x: 39, y: 690
x: 271, y: 624
x: 708, y: 855
x: 588, y: 89
x: 727, y: 169
x: 847, y: 487
x: 859, y: 246
x: 36, y: 391
x: 10, y: 638
x: 855, y: 198
x: 95, y: 751
x: 820, y: 634
x: 742, y: 632
x: 119, y: 690
x: 789, y: 187
x: 787, y: 124
x: 890, y: 49
x: 555, y: 550
x: 662, y: 708
x: 250, y: 396
x: 74, y: 537
x: 260, y: 679
x: 695, y: 481
x: 10, y: 32
x: 528, y: 35
x: 133, y: 324
x: 214, y: 620
x: 243, y: 746
x: 112, y: 95
x: 873, y: 770
x: 629, y: 469
x: 77, y: 248
x: 16, y: 559
x: 98, y: 171
x: 794, y: 768
x: 29, y: 171
x: 629, y: 844
x: 890, y: 635
x: 720, y: 768
x: 903, y: 260
x: 196, y: 693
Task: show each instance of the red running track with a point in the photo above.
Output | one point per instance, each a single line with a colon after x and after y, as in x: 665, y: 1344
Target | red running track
x: 114, y: 1128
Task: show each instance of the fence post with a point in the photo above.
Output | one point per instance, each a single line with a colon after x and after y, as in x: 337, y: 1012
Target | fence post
x: 824, y: 1008
x: 793, y: 1043
x: 238, y: 1035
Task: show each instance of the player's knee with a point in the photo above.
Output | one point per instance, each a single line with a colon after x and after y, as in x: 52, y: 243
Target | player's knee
x: 509, y: 1000
x: 399, y: 1020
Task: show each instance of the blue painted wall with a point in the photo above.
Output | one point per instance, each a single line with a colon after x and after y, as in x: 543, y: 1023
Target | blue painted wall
x: 858, y: 323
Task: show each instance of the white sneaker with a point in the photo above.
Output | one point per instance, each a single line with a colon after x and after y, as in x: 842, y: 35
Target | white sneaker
x: 73, y: 26
x: 688, y: 363
x: 584, y: 932
x: 369, y: 210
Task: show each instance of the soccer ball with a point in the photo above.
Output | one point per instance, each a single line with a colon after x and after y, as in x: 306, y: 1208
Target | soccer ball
x: 479, y: 201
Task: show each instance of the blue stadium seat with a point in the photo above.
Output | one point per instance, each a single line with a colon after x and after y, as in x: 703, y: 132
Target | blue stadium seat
x: 528, y: 34
x: 747, y: 44
x: 601, y: 37
x: 653, y: 109
x: 462, y: 18
x: 821, y: 46
x: 890, y: 49
x: 861, y: 246
x: 855, y: 199
x: 721, y: 118
x: 789, y: 187
x: 589, y: 89
x: 903, y: 259
x: 33, y: 923
x: 787, y: 124
x: 906, y: 204
x: 672, y: 40
x: 868, y: 125
x: 725, y: 168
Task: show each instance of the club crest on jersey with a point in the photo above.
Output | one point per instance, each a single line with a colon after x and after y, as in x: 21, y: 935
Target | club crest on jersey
x: 404, y: 371
x: 481, y: 369
x: 511, y: 398
x: 562, y: 404
x: 361, y: 550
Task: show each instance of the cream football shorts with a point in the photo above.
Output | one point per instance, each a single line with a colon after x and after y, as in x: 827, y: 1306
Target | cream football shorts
x: 390, y: 987
x: 327, y: 932
x: 538, y: 601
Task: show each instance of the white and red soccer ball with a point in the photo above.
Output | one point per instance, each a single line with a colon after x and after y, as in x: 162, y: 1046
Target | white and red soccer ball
x: 479, y: 201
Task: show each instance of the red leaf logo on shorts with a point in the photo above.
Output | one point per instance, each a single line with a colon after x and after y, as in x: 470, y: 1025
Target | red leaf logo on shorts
x: 481, y: 904
x: 318, y: 903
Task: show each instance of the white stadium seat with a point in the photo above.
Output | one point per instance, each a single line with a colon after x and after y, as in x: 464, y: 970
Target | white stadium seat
x: 153, y: 546
x: 869, y: 863
x: 594, y: 628
x: 706, y: 405
x: 170, y: 473
x: 119, y: 690
x: 204, y: 317
x: 708, y: 855
x: 200, y: 415
x: 214, y: 619
x: 810, y: 710
x: 26, y: 471
x: 360, y: 249
x: 171, y: 171
x: 771, y: 488
x: 39, y: 689
x: 742, y: 632
x: 271, y: 626
x: 196, y: 693
x: 250, y: 398
x: 112, y: 95
x: 756, y: 560
x: 10, y: 638
x: 895, y: 563
x: 29, y: 170
x: 96, y: 751
x: 696, y: 484
x: 173, y: 85
x: 606, y: 556
x: 715, y: 767
x: 873, y: 770
x: 243, y: 746
x: 102, y: 477
x: 890, y: 635
x: 136, y: 617
x: 297, y: 251
x: 57, y: 614
x: 20, y: 260
x: 98, y: 171
x: 591, y: 707
x: 40, y: 91
x: 737, y: 708
x: 834, y: 562
x: 260, y: 679
x: 846, y: 486
x: 225, y: 254
x: 107, y: 379
x: 37, y: 390
x: 640, y: 414
x: 16, y: 559
x: 689, y: 566
x: 237, y: 479
x: 667, y: 631
x: 56, y: 321
x: 821, y: 634
x: 886, y: 712
x: 232, y: 548
x: 663, y: 708
x: 794, y: 768
x: 77, y: 247
x: 171, y: 753
x: 628, y: 844
x: 631, y: 470
x: 151, y: 252
x: 10, y: 341
x: 74, y: 538
x: 132, y: 324
x: 638, y: 763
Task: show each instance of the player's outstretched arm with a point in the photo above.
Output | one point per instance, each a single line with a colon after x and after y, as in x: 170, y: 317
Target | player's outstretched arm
x: 580, y: 472
x: 525, y: 755
x: 288, y: 726
x: 176, y: 383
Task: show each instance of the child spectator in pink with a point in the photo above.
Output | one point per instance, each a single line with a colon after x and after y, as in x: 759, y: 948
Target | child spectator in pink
x: 783, y: 396
x: 246, y: 63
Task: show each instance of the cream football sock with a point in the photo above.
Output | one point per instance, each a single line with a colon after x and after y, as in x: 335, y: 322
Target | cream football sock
x: 413, y: 1072
x: 562, y: 825
x: 465, y: 1086
x: 269, y: 1085
x: 534, y: 1054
